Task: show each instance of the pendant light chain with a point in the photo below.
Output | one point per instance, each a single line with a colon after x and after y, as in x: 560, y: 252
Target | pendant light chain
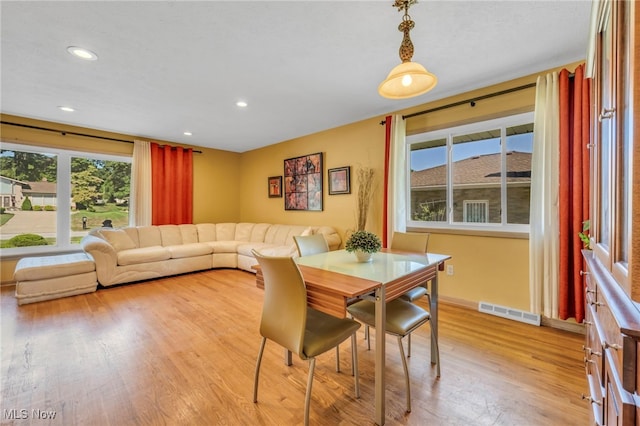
x: 406, y: 47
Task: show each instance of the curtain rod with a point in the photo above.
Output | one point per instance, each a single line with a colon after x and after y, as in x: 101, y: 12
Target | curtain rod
x: 471, y: 101
x: 64, y: 133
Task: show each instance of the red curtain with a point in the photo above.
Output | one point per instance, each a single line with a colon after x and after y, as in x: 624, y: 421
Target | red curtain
x: 171, y: 185
x: 574, y: 189
x: 387, y: 156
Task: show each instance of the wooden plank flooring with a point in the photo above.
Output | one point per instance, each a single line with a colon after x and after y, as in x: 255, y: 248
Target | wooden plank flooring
x: 182, y: 350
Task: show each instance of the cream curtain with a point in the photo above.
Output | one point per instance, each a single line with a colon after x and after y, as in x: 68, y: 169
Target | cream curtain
x: 544, y: 223
x: 397, y: 184
x: 140, y: 205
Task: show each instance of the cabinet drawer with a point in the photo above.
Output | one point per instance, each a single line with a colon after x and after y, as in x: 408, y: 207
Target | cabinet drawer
x: 596, y: 393
x: 619, y: 407
x: 594, y: 361
x: 623, y: 349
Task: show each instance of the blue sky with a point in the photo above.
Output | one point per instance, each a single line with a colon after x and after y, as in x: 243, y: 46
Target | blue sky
x: 432, y: 157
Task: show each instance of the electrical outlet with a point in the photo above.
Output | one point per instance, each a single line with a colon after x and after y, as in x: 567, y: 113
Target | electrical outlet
x: 449, y: 269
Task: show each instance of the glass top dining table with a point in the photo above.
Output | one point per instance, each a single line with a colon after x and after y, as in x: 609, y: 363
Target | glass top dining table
x: 337, y: 275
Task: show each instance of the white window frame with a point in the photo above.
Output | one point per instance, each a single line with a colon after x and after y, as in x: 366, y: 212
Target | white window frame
x: 518, y: 230
x: 63, y: 188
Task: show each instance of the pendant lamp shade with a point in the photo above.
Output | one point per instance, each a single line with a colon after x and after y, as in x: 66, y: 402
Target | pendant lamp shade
x: 407, y: 80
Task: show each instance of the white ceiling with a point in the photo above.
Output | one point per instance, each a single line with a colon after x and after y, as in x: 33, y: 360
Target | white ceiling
x: 302, y: 66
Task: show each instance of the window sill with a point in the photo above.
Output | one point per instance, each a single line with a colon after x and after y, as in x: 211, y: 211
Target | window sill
x: 472, y: 231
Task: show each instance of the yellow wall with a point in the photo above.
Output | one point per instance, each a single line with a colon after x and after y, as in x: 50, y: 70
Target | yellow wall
x: 356, y: 145
x: 233, y: 187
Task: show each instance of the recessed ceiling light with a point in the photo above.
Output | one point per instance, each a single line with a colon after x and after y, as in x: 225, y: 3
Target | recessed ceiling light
x: 66, y: 108
x: 241, y: 104
x: 188, y: 133
x: 82, y: 53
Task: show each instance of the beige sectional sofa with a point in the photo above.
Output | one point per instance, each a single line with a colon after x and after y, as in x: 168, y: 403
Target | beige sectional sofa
x: 145, y: 252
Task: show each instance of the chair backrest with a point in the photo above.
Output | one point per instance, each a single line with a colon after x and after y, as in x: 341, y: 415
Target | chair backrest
x: 284, y: 311
x: 410, y: 241
x: 311, y: 244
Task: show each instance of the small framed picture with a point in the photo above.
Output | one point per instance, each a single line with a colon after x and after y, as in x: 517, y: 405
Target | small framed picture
x: 340, y: 180
x: 275, y: 187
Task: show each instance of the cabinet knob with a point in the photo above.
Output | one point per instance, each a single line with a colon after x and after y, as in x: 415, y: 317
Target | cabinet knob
x: 584, y: 273
x: 591, y: 352
x: 588, y: 291
x: 585, y: 322
x: 607, y: 345
x: 588, y: 361
x: 591, y: 400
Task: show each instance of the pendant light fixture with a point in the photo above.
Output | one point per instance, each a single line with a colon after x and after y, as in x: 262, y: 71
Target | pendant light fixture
x: 408, y: 79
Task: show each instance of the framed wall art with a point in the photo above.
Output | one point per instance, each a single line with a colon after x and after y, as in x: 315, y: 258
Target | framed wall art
x: 303, y: 182
x: 339, y: 180
x: 275, y: 186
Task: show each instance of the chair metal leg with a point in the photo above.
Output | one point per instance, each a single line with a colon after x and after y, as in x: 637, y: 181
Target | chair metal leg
x: 354, y: 364
x: 434, y: 342
x: 367, y: 336
x: 307, y: 399
x: 338, y: 359
x: 255, y: 379
x: 406, y: 374
x: 409, y: 345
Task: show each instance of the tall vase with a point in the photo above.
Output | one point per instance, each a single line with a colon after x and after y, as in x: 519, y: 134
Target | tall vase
x: 363, y: 256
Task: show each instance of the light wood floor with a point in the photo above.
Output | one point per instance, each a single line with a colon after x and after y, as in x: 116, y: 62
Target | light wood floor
x: 182, y: 350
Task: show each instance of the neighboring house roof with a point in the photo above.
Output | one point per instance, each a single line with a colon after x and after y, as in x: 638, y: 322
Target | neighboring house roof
x: 14, y: 180
x: 41, y: 187
x: 482, y: 169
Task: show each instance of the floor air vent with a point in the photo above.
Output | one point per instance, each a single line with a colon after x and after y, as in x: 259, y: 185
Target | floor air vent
x: 510, y: 313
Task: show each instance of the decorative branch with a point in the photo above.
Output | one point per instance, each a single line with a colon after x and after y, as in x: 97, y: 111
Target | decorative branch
x: 365, y: 193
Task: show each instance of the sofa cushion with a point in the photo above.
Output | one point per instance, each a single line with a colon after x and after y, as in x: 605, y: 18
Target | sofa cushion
x: 225, y: 231
x: 149, y: 236
x: 206, y: 232
x: 118, y: 238
x: 283, y: 234
x: 170, y: 235
x: 47, y: 267
x: 259, y: 231
x: 189, y: 233
x: 224, y: 246
x: 245, y: 249
x: 143, y: 255
x: 189, y: 250
x: 243, y: 231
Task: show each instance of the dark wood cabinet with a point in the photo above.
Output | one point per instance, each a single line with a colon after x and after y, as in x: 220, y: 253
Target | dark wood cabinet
x: 612, y: 266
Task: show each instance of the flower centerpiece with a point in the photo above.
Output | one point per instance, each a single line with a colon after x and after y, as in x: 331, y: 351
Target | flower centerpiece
x: 363, y: 244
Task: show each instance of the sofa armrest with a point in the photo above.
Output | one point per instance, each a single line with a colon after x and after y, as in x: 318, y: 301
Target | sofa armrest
x: 333, y: 238
x: 104, y: 255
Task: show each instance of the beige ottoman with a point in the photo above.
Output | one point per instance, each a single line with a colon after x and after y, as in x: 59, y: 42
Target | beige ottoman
x: 51, y: 277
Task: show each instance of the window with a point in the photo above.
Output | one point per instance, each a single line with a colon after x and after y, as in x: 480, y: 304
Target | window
x: 51, y: 198
x: 476, y: 176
